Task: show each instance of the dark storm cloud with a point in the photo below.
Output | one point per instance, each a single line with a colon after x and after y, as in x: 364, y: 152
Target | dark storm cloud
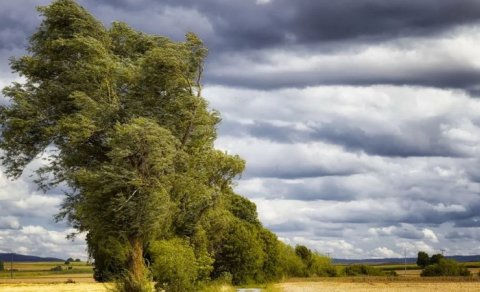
x: 462, y: 76
x: 320, y: 188
x: 18, y: 19
x: 421, y: 138
x: 300, y: 171
x: 231, y: 26
x: 248, y: 24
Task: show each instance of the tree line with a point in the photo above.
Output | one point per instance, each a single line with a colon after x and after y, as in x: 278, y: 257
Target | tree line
x: 438, y: 265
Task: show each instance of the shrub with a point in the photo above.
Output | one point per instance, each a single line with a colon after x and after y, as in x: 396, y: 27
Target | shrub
x: 445, y: 267
x: 320, y: 266
x: 291, y: 264
x: 174, y: 265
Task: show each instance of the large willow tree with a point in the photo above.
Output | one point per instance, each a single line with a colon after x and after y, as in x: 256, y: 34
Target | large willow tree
x: 120, y: 115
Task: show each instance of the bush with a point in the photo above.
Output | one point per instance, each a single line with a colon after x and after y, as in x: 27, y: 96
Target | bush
x: 321, y: 266
x: 445, y: 267
x: 2, y: 267
x: 363, y: 270
x: 291, y: 264
x: 174, y: 265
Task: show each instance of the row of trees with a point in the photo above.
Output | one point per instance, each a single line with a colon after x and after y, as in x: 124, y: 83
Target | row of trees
x: 438, y: 265
x: 228, y: 244
x: 119, y: 118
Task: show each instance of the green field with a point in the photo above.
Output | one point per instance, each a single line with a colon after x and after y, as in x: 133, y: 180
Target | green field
x: 41, y: 272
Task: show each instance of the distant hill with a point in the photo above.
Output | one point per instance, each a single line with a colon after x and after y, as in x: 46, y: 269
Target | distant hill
x: 6, y: 257
x: 470, y: 258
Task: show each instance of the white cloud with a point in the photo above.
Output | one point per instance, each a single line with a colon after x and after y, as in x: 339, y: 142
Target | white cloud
x: 430, y: 235
x: 384, y: 252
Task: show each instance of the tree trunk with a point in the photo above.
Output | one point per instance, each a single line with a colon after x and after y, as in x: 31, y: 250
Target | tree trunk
x: 136, y: 266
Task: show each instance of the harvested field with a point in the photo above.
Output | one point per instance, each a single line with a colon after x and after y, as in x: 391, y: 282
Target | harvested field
x: 379, y: 286
x: 77, y: 287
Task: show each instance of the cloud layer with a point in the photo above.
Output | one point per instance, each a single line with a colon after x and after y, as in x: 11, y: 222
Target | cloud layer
x: 359, y: 120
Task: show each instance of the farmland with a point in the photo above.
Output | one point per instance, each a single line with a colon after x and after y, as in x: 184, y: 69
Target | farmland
x: 40, y: 272
x: 38, y: 276
x: 376, y: 284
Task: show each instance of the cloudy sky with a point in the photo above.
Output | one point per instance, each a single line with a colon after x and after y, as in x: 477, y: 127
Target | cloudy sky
x: 359, y: 120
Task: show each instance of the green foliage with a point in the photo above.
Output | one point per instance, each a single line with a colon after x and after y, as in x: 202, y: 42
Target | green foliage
x: 363, y: 270
x: 435, y: 259
x: 130, y: 283
x: 174, y: 265
x: 241, y: 253
x: 291, y: 264
x: 314, y: 264
x: 423, y: 259
x: 242, y: 208
x: 445, y: 267
x: 110, y: 256
x: 2, y: 267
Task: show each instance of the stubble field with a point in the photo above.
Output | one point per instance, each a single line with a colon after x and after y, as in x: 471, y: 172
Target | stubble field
x: 331, y: 286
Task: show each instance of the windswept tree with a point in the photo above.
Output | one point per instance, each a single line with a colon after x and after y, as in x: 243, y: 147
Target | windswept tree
x: 120, y: 116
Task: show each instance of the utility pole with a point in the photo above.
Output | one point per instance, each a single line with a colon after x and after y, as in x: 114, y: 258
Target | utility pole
x: 11, y: 266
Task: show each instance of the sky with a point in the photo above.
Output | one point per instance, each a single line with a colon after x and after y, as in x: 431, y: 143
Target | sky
x: 359, y: 120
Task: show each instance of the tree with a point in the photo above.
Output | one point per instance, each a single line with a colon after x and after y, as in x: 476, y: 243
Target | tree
x: 120, y: 118
x: 423, y: 259
x: 241, y: 253
x: 435, y: 259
